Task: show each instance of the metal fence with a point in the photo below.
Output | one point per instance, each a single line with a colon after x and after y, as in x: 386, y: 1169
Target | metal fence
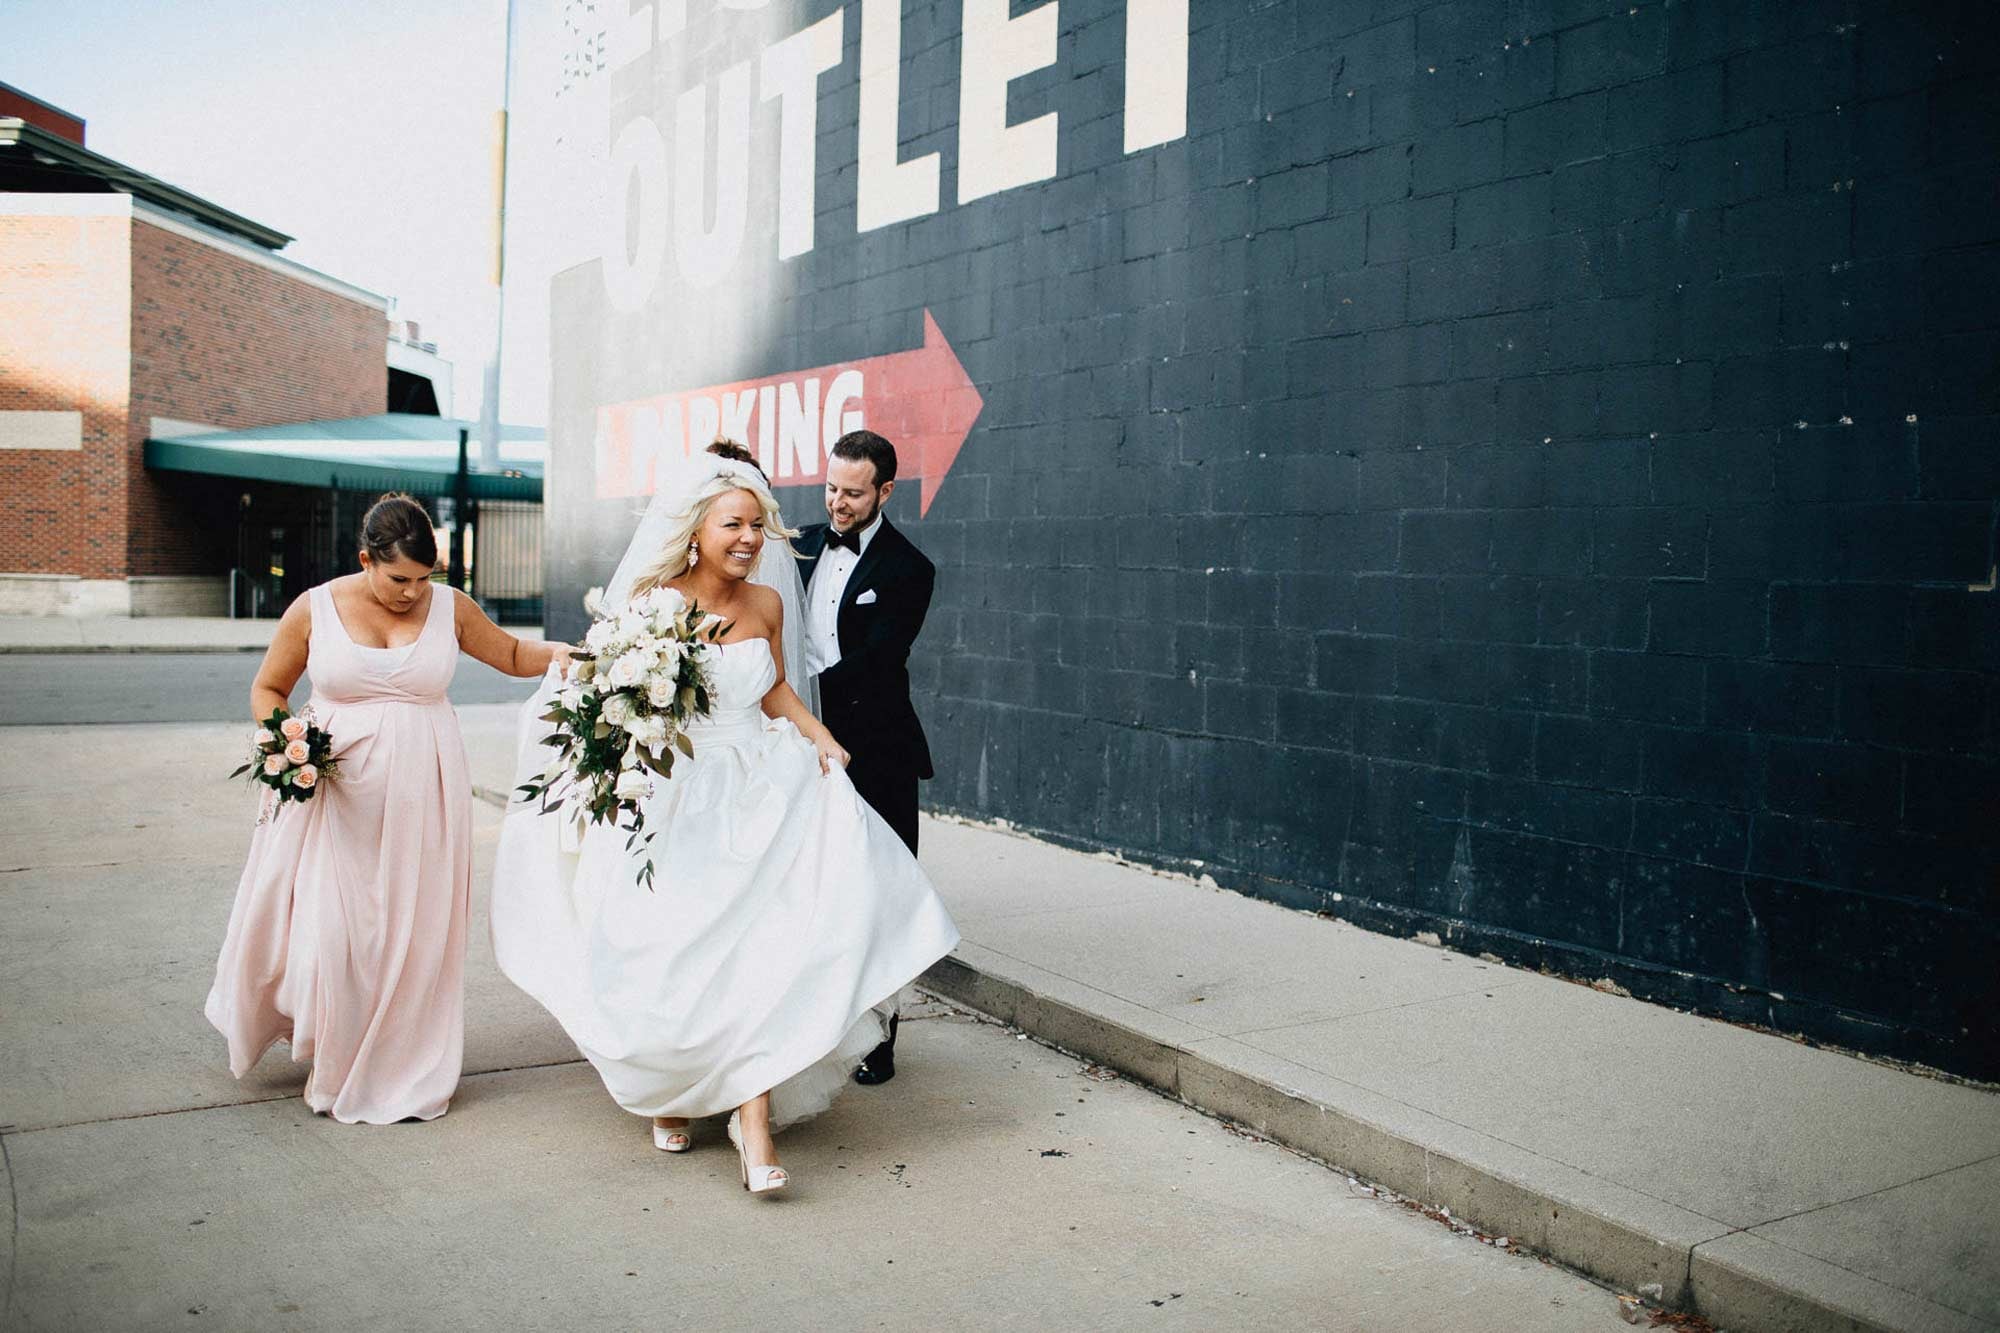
x: 503, y: 558
x: 291, y: 538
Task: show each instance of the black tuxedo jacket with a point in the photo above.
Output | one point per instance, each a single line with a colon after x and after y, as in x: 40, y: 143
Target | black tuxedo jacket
x: 864, y: 698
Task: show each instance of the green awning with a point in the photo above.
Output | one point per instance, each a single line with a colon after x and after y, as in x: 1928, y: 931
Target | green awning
x: 389, y: 452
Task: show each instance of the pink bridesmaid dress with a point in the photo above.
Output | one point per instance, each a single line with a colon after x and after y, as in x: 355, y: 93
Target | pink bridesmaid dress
x: 348, y: 933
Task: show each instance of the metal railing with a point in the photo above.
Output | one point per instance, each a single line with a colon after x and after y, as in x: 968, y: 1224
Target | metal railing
x: 292, y: 538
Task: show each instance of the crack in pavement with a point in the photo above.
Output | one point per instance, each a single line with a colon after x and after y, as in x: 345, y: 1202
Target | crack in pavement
x: 254, y: 1101
x: 1362, y: 1013
x: 13, y: 1234
x: 1754, y: 1229
x: 1869, y: 1194
x: 102, y: 865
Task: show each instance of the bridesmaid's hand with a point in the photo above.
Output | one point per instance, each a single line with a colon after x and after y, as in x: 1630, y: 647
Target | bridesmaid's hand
x: 830, y: 754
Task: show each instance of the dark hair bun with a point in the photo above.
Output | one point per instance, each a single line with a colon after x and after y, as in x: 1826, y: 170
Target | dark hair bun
x: 735, y: 453
x: 397, y: 527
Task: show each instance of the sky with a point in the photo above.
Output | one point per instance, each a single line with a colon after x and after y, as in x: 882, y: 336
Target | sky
x: 363, y: 128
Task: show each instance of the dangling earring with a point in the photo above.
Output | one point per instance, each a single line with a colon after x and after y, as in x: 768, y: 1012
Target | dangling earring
x: 694, y: 554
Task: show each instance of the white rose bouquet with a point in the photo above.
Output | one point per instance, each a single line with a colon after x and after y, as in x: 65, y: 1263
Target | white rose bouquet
x: 622, y: 713
x: 290, y: 757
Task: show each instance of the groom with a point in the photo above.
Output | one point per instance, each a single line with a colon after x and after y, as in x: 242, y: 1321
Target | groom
x: 867, y: 591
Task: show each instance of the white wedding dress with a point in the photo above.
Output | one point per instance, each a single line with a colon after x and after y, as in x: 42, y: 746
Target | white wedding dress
x: 783, y: 919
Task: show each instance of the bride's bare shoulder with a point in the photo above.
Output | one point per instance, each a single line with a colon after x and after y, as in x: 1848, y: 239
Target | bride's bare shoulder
x: 765, y: 604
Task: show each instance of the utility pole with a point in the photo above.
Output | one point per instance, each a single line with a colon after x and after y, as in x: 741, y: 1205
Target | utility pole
x: 489, y: 397
x: 461, y: 509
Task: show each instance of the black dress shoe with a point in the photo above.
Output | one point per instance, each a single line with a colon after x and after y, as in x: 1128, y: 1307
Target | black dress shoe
x: 880, y: 1064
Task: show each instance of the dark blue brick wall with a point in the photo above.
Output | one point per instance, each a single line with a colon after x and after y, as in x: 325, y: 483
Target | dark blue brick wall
x: 1513, y: 470
x: 1552, y: 445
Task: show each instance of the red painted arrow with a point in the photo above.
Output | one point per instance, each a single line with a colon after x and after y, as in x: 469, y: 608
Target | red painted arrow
x: 922, y: 400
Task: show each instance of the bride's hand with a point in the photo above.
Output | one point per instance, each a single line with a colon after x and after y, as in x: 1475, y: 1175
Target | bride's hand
x: 830, y: 753
x: 559, y: 655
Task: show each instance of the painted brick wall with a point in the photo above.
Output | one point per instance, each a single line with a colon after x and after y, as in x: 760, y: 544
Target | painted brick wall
x: 1514, y: 471
x: 65, y: 337
x: 219, y: 338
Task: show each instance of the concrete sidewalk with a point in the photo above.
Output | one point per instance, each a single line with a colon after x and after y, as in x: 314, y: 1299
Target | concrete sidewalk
x: 994, y: 1184
x: 1763, y: 1183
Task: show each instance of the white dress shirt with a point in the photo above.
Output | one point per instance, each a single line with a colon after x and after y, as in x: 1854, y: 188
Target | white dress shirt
x: 829, y: 585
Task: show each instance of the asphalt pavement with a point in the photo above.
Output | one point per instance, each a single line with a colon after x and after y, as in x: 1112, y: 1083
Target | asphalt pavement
x: 43, y: 688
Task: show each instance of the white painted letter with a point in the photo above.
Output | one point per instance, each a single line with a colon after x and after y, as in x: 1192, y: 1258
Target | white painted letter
x: 767, y: 443
x: 673, y: 445
x: 704, y: 422
x: 634, y: 36
x: 630, y: 274
x: 836, y: 421
x: 706, y: 254
x: 798, y: 429
x: 600, y: 453
x: 645, y: 429
x: 1156, y: 72
x: 791, y: 73
x: 631, y: 36
x: 887, y: 191
x: 995, y: 50
x: 736, y: 410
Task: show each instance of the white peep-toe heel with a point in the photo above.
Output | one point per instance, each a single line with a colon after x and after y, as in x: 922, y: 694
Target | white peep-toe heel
x: 671, y: 1140
x: 756, y: 1179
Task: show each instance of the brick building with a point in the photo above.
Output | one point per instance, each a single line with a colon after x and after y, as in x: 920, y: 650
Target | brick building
x: 129, y: 308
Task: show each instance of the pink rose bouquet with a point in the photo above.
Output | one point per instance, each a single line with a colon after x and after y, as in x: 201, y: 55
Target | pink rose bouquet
x: 289, y: 757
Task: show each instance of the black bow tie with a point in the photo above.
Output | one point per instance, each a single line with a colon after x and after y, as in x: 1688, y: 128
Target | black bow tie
x: 836, y: 538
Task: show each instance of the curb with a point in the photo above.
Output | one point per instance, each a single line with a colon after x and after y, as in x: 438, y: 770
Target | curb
x: 1678, y: 1260
x: 1711, y: 1268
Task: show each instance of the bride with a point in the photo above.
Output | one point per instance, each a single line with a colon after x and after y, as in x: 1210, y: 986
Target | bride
x: 784, y: 915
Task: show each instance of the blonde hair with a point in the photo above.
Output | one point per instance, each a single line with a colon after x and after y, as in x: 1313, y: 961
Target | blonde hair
x: 672, y: 562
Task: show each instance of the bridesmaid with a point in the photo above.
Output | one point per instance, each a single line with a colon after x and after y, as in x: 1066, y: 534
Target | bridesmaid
x: 348, y: 933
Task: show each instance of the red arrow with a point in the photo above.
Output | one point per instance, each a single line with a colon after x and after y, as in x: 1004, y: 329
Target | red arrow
x: 922, y: 400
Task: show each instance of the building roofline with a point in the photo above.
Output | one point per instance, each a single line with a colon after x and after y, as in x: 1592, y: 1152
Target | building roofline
x: 20, y: 135
x: 199, y: 231
x: 110, y: 204
x: 42, y: 102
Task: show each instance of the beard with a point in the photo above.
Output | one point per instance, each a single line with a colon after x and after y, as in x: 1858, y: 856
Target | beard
x: 863, y: 516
